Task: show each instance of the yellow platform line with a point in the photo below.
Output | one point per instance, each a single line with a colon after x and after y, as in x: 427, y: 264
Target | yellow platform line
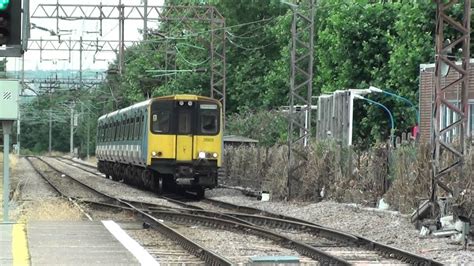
x: 20, y: 252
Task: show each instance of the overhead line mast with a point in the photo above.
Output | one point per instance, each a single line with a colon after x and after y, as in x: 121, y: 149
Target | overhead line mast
x: 301, y: 83
x: 448, y: 155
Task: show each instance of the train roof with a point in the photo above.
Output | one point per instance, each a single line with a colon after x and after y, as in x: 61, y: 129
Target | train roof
x: 177, y: 97
x: 131, y: 107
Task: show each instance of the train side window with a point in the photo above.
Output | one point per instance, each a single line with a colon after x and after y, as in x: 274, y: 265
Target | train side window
x: 117, y: 131
x: 137, y: 126
x: 131, y: 126
x: 140, y: 127
x: 111, y: 126
x: 122, y: 129
x: 125, y: 129
x: 108, y: 132
x: 111, y: 131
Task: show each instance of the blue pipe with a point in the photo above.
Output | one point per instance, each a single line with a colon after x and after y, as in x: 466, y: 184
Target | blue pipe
x: 392, y: 121
x: 407, y: 101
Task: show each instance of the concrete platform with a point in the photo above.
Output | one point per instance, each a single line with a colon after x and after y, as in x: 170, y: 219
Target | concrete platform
x: 6, y: 257
x: 70, y: 243
x: 75, y: 243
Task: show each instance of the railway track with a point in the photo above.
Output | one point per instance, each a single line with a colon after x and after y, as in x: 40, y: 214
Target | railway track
x: 206, y: 256
x: 330, y: 244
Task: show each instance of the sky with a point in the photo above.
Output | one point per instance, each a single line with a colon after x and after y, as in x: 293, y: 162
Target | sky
x: 88, y: 29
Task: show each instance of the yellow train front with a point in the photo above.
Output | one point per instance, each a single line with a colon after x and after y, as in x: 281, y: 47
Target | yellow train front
x: 173, y: 141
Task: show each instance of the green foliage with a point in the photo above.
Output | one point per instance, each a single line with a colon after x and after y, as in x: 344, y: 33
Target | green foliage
x: 268, y: 127
x: 357, y: 44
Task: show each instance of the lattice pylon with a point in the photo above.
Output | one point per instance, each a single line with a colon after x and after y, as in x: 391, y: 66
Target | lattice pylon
x: 301, y: 83
x: 449, y: 141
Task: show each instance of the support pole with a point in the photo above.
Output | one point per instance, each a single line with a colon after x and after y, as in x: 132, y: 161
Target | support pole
x: 88, y: 134
x: 50, y: 130
x: 7, y: 128
x: 80, y: 63
x: 121, y: 37
x: 443, y: 143
x: 145, y: 18
x: 301, y: 80
x: 71, y: 137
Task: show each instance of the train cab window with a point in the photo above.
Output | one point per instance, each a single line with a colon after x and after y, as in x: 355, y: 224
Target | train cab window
x: 184, y: 122
x: 161, y: 121
x: 161, y: 117
x: 208, y: 119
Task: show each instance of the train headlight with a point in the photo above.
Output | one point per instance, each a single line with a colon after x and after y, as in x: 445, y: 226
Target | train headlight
x: 214, y: 155
x: 153, y: 153
x: 202, y: 155
x: 190, y: 103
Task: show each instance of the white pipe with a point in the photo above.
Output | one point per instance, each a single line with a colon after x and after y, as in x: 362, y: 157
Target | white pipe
x: 351, y: 117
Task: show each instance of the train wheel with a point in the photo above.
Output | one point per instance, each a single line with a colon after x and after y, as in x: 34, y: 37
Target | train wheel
x: 115, y: 173
x: 200, y: 193
x: 159, y: 185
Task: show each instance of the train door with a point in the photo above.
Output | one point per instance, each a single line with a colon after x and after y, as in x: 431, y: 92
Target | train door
x: 184, y: 137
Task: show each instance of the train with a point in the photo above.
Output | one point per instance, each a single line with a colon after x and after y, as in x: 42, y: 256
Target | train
x: 164, y: 142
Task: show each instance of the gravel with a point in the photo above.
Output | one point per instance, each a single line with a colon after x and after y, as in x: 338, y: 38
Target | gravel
x: 385, y: 227
x: 236, y: 247
x: 109, y: 187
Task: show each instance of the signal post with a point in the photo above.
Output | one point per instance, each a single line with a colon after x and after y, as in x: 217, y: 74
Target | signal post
x: 9, y: 94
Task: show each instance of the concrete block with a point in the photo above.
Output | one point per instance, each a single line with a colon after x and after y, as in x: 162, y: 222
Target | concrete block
x: 445, y: 233
x: 447, y: 222
x: 383, y: 205
x: 424, y: 231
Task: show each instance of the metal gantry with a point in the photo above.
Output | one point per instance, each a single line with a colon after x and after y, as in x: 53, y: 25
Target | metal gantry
x: 301, y: 82
x: 449, y: 152
x: 202, y: 14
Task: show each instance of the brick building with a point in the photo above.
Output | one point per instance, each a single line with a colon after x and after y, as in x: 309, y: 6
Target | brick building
x: 426, y: 99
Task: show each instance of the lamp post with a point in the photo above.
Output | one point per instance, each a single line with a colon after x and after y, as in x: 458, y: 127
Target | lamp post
x: 392, y: 121
x: 375, y: 89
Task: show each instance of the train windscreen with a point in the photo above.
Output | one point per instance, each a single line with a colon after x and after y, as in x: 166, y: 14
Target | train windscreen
x: 185, y: 118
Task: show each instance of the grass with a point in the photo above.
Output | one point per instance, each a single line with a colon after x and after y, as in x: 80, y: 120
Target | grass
x: 50, y: 209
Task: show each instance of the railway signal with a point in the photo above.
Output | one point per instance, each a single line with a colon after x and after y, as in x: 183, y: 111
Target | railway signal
x: 10, y: 22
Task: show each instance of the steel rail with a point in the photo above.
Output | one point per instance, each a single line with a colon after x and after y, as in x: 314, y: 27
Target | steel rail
x: 255, y: 211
